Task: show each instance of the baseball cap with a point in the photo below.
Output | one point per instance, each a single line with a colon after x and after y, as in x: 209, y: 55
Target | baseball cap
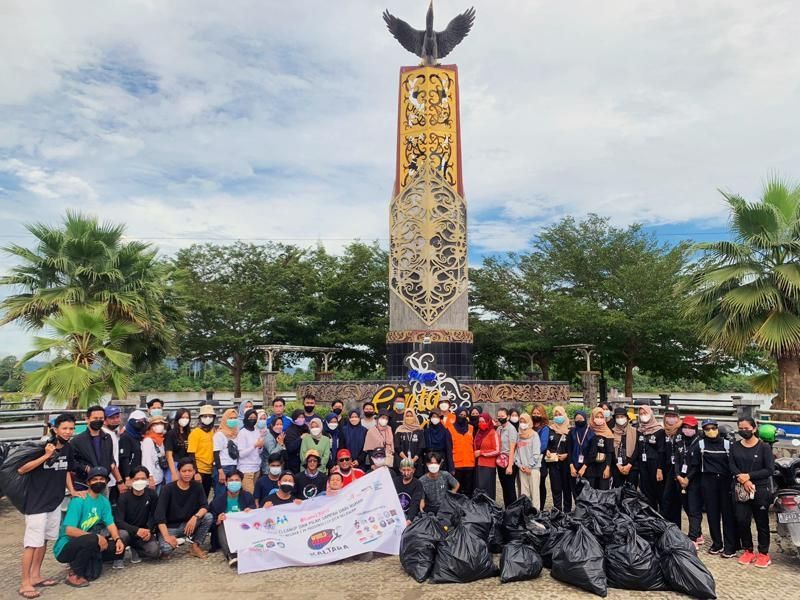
x: 97, y: 472
x: 708, y: 422
x: 343, y: 453
x: 620, y: 412
x: 378, y: 453
x: 690, y: 421
x: 112, y: 411
x: 672, y: 410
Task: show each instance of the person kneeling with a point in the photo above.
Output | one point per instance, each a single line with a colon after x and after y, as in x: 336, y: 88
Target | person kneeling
x: 136, y: 511
x: 235, y: 500
x: 183, y: 511
x: 88, y: 535
x: 284, y: 493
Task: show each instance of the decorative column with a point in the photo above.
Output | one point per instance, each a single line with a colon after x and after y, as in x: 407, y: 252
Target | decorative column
x: 269, y: 386
x: 323, y: 376
x: 428, y: 306
x: 590, y: 381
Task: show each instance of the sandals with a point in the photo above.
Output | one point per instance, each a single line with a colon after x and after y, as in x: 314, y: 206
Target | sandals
x: 45, y: 583
x: 29, y: 594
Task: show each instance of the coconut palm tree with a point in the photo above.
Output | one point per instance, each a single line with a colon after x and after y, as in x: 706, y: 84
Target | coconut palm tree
x: 745, y: 292
x: 87, y: 357
x: 87, y: 262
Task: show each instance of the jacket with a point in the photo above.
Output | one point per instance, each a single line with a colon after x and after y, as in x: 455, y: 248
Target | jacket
x: 220, y: 503
x: 490, y: 448
x: 130, y: 454
x: 85, y: 457
x: 463, y: 451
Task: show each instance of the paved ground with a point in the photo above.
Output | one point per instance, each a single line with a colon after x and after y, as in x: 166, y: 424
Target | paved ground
x: 192, y: 579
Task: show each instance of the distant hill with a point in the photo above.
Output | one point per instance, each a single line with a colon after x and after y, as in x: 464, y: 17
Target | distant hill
x: 32, y: 365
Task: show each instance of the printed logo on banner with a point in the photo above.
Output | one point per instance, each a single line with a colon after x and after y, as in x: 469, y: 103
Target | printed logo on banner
x: 320, y: 539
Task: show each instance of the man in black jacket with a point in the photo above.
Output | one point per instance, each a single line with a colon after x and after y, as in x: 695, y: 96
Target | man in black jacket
x: 135, y: 517
x: 234, y: 500
x: 94, y: 448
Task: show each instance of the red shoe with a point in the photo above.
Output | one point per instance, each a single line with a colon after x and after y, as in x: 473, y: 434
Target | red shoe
x: 763, y: 561
x: 747, y: 557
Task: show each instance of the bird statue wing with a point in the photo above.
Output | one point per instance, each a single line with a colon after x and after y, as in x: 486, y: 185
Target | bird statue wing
x: 411, y: 39
x: 456, y: 30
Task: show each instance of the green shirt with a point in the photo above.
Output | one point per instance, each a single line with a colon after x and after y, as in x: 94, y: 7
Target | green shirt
x: 84, y: 513
x: 232, y: 504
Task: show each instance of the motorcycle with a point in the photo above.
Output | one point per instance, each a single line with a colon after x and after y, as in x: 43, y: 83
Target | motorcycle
x: 787, y: 501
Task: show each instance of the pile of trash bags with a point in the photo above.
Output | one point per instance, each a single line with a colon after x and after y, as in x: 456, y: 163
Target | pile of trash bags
x: 612, y: 539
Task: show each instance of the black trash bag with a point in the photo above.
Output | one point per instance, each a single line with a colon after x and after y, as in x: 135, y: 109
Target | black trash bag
x: 539, y: 534
x: 452, y: 508
x: 631, y: 564
x: 519, y: 562
x: 648, y: 522
x: 591, y: 497
x: 516, y: 518
x: 598, y: 519
x: 682, y: 569
x: 673, y: 538
x: 578, y: 560
x: 462, y: 557
x: 482, y: 502
x: 14, y: 485
x: 418, y: 545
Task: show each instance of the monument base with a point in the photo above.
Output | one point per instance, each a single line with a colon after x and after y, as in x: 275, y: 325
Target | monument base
x: 454, y: 358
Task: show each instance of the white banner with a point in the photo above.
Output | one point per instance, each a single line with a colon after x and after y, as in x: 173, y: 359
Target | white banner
x: 365, y: 516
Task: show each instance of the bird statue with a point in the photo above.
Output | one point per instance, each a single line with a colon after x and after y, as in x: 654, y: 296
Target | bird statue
x: 430, y: 45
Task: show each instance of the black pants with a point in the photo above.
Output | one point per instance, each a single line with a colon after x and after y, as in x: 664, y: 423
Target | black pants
x: 543, y: 486
x: 692, y: 502
x: 598, y: 483
x: 716, y: 492
x: 222, y: 539
x: 485, y: 479
x: 84, y: 556
x: 148, y: 549
x: 466, y: 481
x: 619, y: 480
x: 508, y: 483
x: 648, y: 484
x: 671, y: 499
x: 757, y: 510
x: 208, y: 482
x: 559, y: 484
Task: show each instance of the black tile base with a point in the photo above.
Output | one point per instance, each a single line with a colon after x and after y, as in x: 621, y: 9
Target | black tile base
x: 453, y: 358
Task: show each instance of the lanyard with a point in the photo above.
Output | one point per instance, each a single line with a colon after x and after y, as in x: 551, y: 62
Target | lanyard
x: 580, y: 441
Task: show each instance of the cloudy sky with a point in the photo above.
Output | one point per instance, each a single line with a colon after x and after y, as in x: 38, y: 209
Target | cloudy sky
x: 256, y: 120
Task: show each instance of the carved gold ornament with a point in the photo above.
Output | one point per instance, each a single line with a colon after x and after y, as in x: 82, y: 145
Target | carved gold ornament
x: 430, y: 335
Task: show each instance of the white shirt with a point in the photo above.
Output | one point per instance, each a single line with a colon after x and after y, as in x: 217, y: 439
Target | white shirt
x: 221, y: 446
x: 249, y: 455
x: 115, y: 444
x: 150, y: 459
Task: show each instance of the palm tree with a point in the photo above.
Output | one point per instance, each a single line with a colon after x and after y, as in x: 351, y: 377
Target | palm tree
x: 87, y: 360
x: 86, y: 262
x: 746, y: 292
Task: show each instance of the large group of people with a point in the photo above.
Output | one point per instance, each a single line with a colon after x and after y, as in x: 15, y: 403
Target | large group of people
x: 143, y: 487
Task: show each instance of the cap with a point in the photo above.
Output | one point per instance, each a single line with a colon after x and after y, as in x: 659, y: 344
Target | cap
x: 311, y: 453
x: 158, y: 419
x: 343, y: 453
x: 620, y: 412
x: 112, y: 411
x: 207, y: 409
x: 690, y: 421
x: 671, y: 410
x: 708, y: 422
x: 406, y: 463
x: 378, y: 453
x: 97, y: 472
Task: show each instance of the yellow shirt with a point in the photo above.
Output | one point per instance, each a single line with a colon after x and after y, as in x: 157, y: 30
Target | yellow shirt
x: 201, y: 444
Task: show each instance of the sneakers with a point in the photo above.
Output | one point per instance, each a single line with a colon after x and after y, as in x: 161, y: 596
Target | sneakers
x: 726, y: 554
x: 763, y: 561
x: 713, y: 550
x: 135, y: 558
x: 747, y: 557
x: 118, y: 564
x: 232, y: 563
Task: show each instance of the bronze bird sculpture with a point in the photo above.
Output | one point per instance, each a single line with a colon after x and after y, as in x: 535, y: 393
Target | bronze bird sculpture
x: 430, y: 45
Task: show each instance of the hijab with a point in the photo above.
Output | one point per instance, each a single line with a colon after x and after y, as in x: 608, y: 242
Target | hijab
x: 228, y: 432
x: 243, y: 408
x: 311, y: 423
x: 462, y: 428
x: 562, y: 429
x: 527, y: 433
x: 629, y: 432
x: 672, y: 429
x: 353, y: 436
x: 410, y: 422
x: 436, y: 435
x: 600, y: 430
x: 380, y: 436
x: 249, y: 413
x: 652, y: 425
x: 482, y: 433
x: 137, y: 415
x: 325, y: 426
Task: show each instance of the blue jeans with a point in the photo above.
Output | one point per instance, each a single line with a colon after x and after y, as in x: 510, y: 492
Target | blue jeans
x: 198, y: 537
x: 219, y: 488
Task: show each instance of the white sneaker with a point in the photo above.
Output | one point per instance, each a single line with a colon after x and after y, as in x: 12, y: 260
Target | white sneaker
x: 233, y: 562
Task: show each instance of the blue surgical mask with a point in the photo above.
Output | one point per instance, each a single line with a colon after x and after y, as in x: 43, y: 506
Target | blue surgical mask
x: 156, y: 412
x: 399, y: 405
x: 262, y: 424
x: 560, y: 419
x: 234, y: 486
x: 232, y: 423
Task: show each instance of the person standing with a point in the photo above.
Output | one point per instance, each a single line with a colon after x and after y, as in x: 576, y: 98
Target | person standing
x: 752, y: 464
x: 111, y: 427
x: 153, y: 454
x: 598, y: 473
x: 487, y: 448
x: 398, y: 411
x: 321, y: 444
x: 528, y: 459
x: 556, y: 457
x: 671, y: 499
x: 541, y: 425
x: 136, y: 517
x: 201, y: 446
x: 409, y: 442
x: 183, y: 511
x: 368, y: 420
x: 463, y: 442
x: 226, y: 450
x: 715, y: 486
x: 686, y: 476
x: 310, y: 407
x: 332, y: 430
x: 130, y: 444
x: 651, y: 442
x: 250, y: 444
x: 278, y: 407
x: 273, y: 443
x: 582, y: 448
x: 506, y: 465
x: 93, y: 448
x: 235, y: 499
x: 293, y: 439
x: 438, y: 440
x: 626, y: 450
x: 47, y: 477
x: 354, y: 435
x: 381, y: 436
x: 176, y: 442
x: 155, y: 407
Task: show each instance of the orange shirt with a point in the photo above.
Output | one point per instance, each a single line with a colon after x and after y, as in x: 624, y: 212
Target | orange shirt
x: 463, y: 452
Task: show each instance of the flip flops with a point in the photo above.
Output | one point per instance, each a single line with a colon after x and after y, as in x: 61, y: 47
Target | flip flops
x: 45, y: 583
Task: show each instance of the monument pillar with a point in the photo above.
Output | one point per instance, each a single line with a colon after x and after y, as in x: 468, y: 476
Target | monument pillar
x: 428, y: 305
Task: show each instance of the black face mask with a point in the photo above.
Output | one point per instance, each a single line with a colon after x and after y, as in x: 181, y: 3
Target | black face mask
x: 461, y: 419
x: 61, y: 440
x: 502, y: 420
x: 250, y: 424
x: 96, y: 425
x: 337, y: 411
x: 580, y: 424
x: 309, y: 409
x: 474, y: 420
x: 139, y: 425
x: 287, y: 488
x: 98, y: 486
x: 536, y: 419
x: 746, y: 433
x: 369, y: 415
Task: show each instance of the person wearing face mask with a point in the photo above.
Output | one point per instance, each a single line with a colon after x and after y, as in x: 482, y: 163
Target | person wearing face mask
x: 135, y: 517
x: 155, y: 407
x: 337, y: 408
x: 380, y: 436
x: 250, y: 444
x: 368, y: 420
x: 686, y: 477
x: 285, y: 492
x: 111, y: 426
x: 528, y: 459
x: 130, y: 444
x: 506, y: 466
x: 268, y: 482
x: 88, y: 535
x: 435, y: 484
x: 278, y: 406
x: 582, y: 450
x: 608, y: 414
x: 310, y: 408
x: 201, y: 446
x: 446, y: 409
x: 487, y: 449
x: 244, y: 406
x: 235, y: 499
x: 293, y: 439
x: 153, y: 456
x: 671, y: 499
x: 463, y: 442
x: 409, y: 442
x: 626, y: 450
x: 439, y: 440
x: 344, y: 466
x: 474, y: 416
x: 541, y: 425
x: 398, y: 409
x: 598, y: 473
x: 513, y: 417
x: 332, y: 430
x: 317, y: 441
x: 261, y: 423
x: 712, y: 459
x: 409, y: 489
x: 183, y: 511
x: 176, y: 441
x: 226, y: 449
x: 651, y: 442
x: 752, y: 464
x: 556, y: 457
x: 353, y: 437
x: 93, y: 448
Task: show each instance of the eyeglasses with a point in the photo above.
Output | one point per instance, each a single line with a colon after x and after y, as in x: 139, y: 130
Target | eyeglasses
x: 710, y: 428
x: 344, y: 460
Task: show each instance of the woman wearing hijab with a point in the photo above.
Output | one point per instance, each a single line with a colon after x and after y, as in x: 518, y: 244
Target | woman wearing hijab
x: 409, y: 442
x: 556, y: 457
x: 528, y: 458
x: 581, y: 454
x: 130, y: 444
x: 244, y: 406
x: 673, y: 440
x: 315, y: 440
x: 626, y: 451
x: 474, y: 416
x: 353, y: 437
x: 381, y: 436
x: 250, y: 444
x: 463, y: 441
x: 513, y: 417
x: 226, y: 450
x: 541, y: 425
x: 438, y: 440
x: 487, y: 448
x: 153, y: 456
x: 651, y: 441
x: 599, y: 472
x: 293, y: 439
x: 332, y: 429
x: 273, y: 443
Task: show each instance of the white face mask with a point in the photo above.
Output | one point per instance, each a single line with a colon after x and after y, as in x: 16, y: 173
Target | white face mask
x: 158, y: 429
x: 206, y: 420
x: 514, y: 419
x: 621, y: 421
x: 183, y: 422
x: 433, y: 468
x: 333, y: 426
x: 435, y: 420
x: 644, y: 418
x: 315, y: 431
x: 139, y: 484
x: 523, y: 426
x: 379, y: 462
x: 275, y: 471
x: 383, y: 422
x: 444, y: 407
